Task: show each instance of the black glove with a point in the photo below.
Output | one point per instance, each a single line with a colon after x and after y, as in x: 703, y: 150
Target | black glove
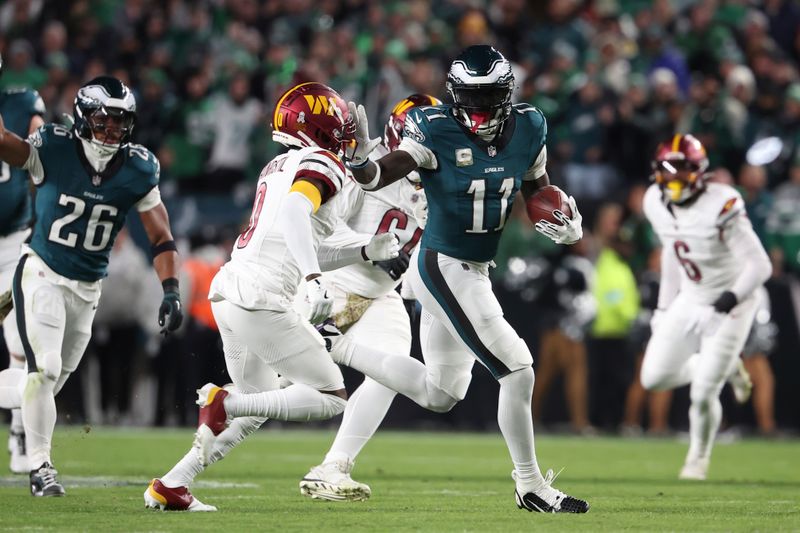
x: 395, y: 267
x: 170, y: 315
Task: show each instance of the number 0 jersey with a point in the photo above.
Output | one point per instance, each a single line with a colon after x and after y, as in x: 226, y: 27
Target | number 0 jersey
x: 80, y: 211
x: 470, y: 184
x: 262, y: 273
x: 17, y: 107
x: 704, y: 237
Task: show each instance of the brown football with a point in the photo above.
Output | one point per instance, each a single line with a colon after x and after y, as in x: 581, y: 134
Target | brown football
x: 546, y: 200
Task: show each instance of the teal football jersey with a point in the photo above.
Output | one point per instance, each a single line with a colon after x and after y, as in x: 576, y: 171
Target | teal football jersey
x: 470, y: 193
x: 17, y: 107
x: 78, y: 211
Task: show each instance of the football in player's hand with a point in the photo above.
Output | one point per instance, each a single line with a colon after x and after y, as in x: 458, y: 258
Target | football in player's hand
x: 546, y: 200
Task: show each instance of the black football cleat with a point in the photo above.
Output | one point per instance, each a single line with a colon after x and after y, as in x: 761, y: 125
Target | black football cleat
x: 549, y: 500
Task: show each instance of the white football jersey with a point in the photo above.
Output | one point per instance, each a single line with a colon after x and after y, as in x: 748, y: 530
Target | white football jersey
x: 698, y: 237
x: 390, y: 209
x: 262, y: 272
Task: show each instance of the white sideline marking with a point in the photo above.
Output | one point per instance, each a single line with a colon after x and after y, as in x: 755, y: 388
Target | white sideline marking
x: 103, y: 481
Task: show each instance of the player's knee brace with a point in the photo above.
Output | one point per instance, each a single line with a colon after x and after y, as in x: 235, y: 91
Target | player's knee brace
x: 513, y: 352
x: 703, y: 393
x: 653, y: 378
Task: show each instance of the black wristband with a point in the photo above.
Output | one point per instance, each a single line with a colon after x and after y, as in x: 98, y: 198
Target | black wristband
x: 170, y: 285
x: 726, y: 301
x: 167, y: 246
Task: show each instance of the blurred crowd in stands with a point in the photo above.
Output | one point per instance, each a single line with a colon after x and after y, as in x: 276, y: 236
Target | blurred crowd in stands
x: 613, y: 77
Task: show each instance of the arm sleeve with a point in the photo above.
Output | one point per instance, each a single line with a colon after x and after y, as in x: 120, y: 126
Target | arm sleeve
x: 295, y: 217
x: 538, y: 168
x: 149, y: 200
x: 670, y: 278
x: 756, y: 268
x: 342, y: 248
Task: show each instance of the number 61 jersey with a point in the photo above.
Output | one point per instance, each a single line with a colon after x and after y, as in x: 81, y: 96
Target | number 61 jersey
x: 79, y: 211
x: 701, y: 236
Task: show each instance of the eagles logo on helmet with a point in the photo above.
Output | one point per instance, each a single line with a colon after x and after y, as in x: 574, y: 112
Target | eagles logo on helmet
x: 312, y: 114
x: 393, y: 131
x: 480, y: 82
x: 679, y: 168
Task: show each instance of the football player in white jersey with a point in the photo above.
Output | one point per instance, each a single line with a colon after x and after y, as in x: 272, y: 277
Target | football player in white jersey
x: 296, y: 206
x: 368, y: 308
x: 711, y: 265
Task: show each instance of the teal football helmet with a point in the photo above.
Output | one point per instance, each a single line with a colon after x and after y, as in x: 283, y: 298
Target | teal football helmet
x: 480, y: 82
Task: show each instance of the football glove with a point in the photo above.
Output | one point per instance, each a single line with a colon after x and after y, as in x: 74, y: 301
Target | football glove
x: 395, y: 267
x: 170, y: 314
x: 357, y: 153
x: 320, y: 300
x: 569, y: 231
x: 381, y: 247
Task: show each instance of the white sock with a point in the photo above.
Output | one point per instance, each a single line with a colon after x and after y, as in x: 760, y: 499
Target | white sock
x: 400, y: 373
x: 39, y: 417
x: 16, y: 363
x: 12, y: 383
x: 704, y: 421
x: 189, y: 467
x: 296, y: 403
x: 365, y: 411
x: 516, y: 424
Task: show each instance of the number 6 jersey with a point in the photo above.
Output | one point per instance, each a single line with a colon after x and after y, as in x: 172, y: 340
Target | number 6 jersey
x: 710, y: 239
x: 79, y: 211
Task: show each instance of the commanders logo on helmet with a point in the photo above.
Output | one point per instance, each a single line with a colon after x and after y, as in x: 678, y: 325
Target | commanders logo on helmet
x: 312, y: 114
x: 393, y: 131
x: 679, y: 168
x: 480, y: 83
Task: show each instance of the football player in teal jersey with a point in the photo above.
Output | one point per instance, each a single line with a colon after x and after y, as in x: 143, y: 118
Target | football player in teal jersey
x: 87, y: 178
x: 23, y: 110
x: 473, y: 156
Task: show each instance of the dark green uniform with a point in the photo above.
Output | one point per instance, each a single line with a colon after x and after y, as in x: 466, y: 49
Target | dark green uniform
x: 78, y: 212
x: 17, y: 107
x: 470, y: 193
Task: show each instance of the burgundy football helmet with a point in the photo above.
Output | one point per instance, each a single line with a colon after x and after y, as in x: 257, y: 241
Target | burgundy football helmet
x: 312, y: 114
x: 679, y: 168
x: 393, y: 131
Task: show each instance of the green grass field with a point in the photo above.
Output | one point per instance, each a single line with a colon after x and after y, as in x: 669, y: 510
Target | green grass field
x: 420, y: 481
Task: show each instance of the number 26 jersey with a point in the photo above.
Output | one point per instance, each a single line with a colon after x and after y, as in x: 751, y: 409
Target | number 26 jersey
x: 80, y: 211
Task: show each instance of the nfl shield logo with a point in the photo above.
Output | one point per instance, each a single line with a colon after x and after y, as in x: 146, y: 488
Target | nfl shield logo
x: 492, y: 151
x: 96, y: 180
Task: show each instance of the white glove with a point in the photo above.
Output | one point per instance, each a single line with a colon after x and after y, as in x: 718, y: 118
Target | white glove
x: 382, y: 246
x: 569, y: 231
x: 357, y: 154
x: 320, y: 300
x: 704, y: 321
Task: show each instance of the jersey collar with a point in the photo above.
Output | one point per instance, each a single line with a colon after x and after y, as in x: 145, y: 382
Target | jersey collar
x: 114, y: 166
x: 500, y: 141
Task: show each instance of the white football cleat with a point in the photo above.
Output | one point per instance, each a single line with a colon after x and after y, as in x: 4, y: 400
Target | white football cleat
x: 18, y: 462
x: 159, y: 496
x: 694, y: 469
x: 332, y: 481
x: 740, y: 383
x: 212, y: 420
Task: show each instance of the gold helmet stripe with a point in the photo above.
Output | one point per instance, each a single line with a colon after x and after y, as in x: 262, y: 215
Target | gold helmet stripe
x: 676, y: 142
x: 275, y: 116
